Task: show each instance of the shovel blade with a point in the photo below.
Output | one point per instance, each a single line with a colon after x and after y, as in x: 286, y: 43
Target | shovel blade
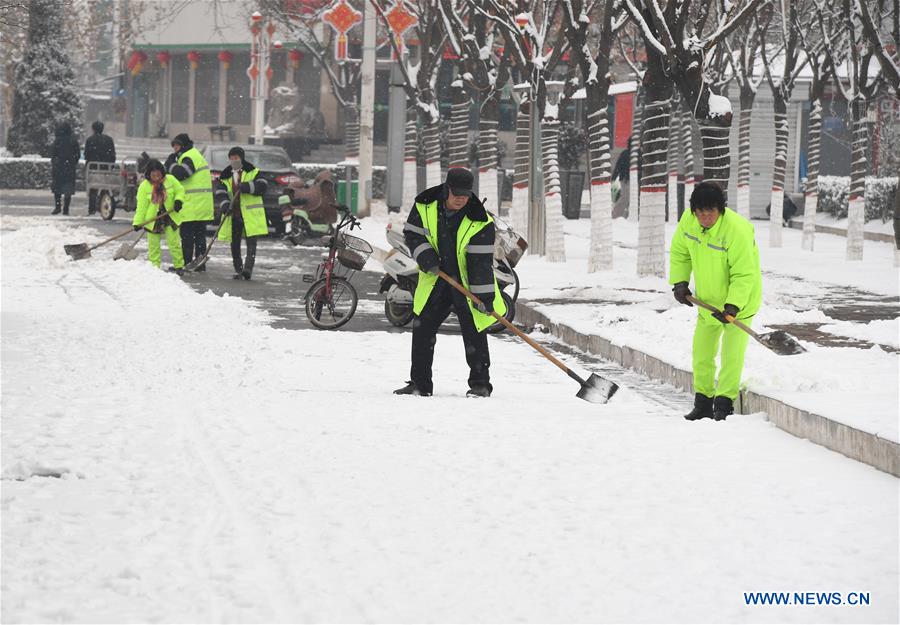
x: 597, y: 390
x: 782, y: 343
x: 77, y: 250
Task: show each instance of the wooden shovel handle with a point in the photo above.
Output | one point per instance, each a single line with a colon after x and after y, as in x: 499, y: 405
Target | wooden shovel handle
x: 730, y: 319
x: 131, y: 229
x: 546, y: 354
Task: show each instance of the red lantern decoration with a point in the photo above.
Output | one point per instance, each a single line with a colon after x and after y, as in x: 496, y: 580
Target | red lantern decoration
x: 226, y: 57
x: 194, y: 57
x: 295, y: 56
x: 136, y: 62
x: 163, y: 58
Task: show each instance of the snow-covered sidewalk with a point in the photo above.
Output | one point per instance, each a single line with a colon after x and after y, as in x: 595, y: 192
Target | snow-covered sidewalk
x: 213, y: 469
x: 854, y: 386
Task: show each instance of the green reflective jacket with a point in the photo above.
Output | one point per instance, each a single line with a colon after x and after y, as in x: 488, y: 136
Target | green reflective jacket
x: 468, y: 228
x: 723, y: 259
x: 198, y: 191
x: 146, y: 209
x: 253, y: 211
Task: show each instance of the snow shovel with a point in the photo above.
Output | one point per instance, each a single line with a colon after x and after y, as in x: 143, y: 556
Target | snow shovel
x: 126, y: 250
x: 198, y: 262
x: 79, y: 251
x: 595, y: 389
x: 779, y: 341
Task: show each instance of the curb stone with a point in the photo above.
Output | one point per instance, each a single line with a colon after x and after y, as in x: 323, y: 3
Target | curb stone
x: 880, y: 453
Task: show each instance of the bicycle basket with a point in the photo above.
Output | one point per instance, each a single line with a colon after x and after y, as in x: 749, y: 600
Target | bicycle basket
x: 353, y: 251
x: 351, y: 259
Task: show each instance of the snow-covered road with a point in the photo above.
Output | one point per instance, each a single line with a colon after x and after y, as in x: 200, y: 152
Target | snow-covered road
x: 169, y: 457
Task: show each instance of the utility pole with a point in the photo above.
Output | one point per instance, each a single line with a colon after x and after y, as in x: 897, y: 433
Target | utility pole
x: 396, y: 138
x: 367, y: 112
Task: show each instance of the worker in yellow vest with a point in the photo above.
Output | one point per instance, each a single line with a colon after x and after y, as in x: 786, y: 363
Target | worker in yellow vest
x: 244, y: 213
x: 187, y: 164
x: 449, y: 229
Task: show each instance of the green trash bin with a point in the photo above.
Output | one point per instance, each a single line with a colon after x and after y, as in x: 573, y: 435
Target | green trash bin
x: 354, y: 195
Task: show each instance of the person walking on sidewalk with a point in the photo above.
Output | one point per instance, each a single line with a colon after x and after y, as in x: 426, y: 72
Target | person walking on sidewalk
x: 160, y: 193
x: 244, y: 214
x: 63, y: 162
x: 717, y: 245
x: 99, y: 148
x: 188, y: 165
x: 449, y: 229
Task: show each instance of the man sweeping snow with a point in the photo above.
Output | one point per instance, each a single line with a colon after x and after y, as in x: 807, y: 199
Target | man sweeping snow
x: 716, y: 245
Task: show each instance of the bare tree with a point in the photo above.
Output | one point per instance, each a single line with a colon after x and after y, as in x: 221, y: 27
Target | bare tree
x: 595, y: 75
x: 532, y: 30
x: 790, y: 62
x: 676, y: 56
x: 883, y: 17
x: 630, y: 45
x: 471, y: 35
x: 743, y: 53
x: 854, y: 54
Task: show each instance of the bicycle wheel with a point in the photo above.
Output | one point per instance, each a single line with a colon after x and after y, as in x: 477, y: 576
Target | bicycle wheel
x: 331, y: 313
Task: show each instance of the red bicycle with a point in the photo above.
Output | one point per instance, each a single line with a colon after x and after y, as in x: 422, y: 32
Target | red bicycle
x: 331, y: 300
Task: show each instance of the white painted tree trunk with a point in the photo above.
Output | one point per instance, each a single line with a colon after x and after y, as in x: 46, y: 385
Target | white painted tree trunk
x: 651, y: 259
x: 518, y: 214
x: 410, y: 184
x: 687, y: 148
x: 743, y: 178
x: 811, y: 191
x: 487, y: 188
x: 856, y: 213
x: 555, y: 249
x: 600, y: 253
x: 776, y: 208
x: 673, y: 161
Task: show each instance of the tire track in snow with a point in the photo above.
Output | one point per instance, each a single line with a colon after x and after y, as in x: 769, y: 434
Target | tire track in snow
x: 251, y: 544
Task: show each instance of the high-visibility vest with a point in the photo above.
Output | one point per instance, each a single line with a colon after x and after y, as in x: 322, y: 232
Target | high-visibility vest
x: 147, y: 210
x: 198, y: 192
x: 467, y: 229
x: 253, y: 211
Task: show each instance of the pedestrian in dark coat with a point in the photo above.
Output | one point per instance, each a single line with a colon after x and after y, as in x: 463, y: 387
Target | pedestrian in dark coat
x: 99, y: 148
x: 64, y: 160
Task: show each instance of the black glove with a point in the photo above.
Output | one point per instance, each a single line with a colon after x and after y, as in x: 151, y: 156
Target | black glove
x: 177, y: 206
x: 169, y: 160
x: 226, y: 209
x: 245, y: 187
x: 137, y: 228
x: 432, y: 269
x: 486, y: 307
x: 681, y: 292
x: 729, y: 309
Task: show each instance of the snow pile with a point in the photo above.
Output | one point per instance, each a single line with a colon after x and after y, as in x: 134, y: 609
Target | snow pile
x: 640, y: 313
x: 214, y: 469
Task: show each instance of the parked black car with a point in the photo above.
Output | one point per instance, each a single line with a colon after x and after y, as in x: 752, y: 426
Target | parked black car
x: 274, y: 165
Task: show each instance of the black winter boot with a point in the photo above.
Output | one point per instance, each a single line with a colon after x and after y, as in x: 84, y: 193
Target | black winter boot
x: 478, y: 391
x: 57, y: 201
x: 722, y: 407
x: 412, y: 389
x: 703, y: 408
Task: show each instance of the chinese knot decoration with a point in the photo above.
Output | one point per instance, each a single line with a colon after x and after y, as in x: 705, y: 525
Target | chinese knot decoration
x: 341, y: 17
x: 400, y: 20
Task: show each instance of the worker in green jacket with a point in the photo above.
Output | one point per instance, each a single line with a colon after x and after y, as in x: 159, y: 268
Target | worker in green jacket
x: 716, y: 245
x: 240, y: 191
x: 187, y: 164
x: 158, y: 194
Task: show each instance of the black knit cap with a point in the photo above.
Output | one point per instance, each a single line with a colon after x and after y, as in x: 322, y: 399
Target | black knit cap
x: 460, y: 181
x: 236, y: 150
x: 183, y: 140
